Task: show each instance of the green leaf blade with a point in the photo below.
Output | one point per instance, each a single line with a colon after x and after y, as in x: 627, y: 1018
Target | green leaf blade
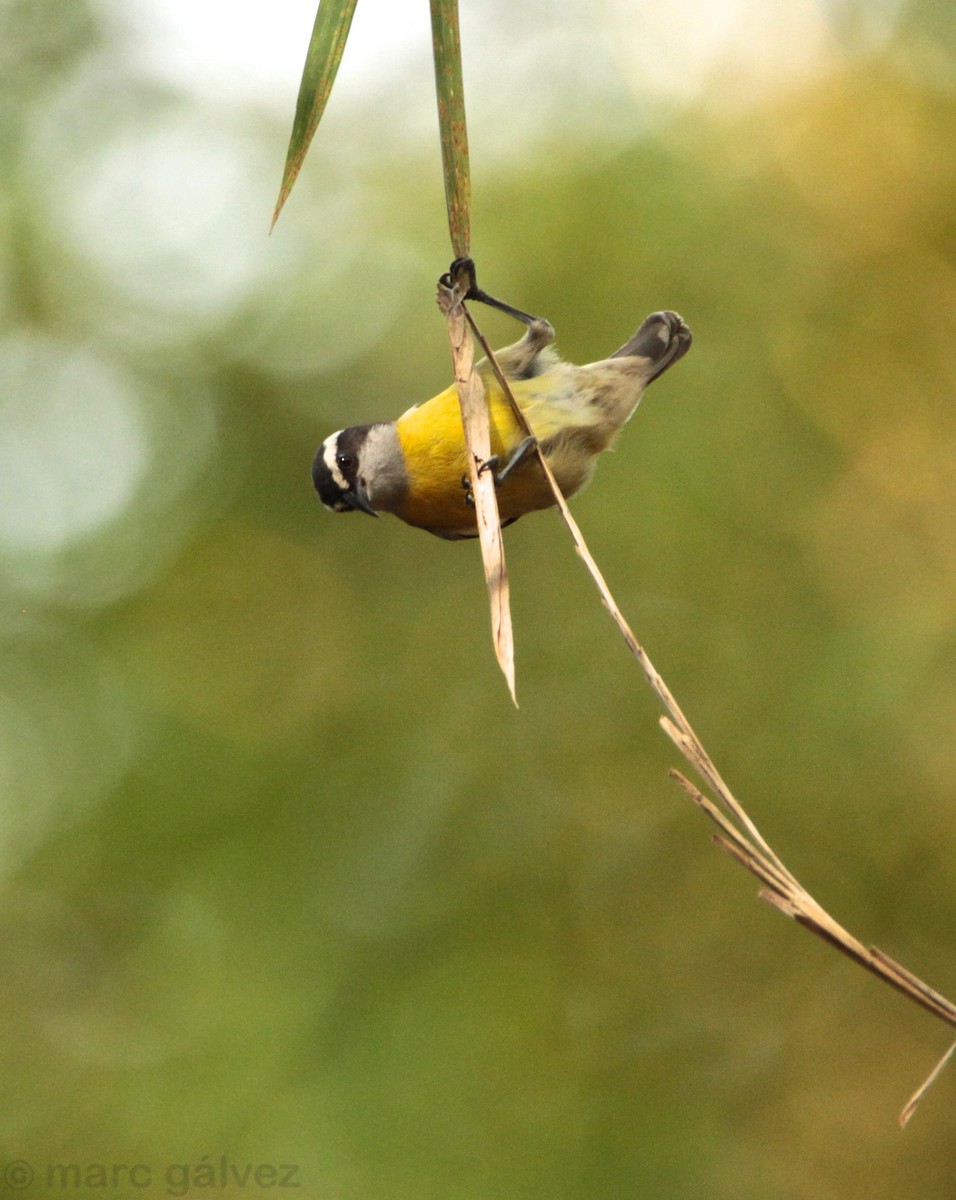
x: 329, y: 33
x: 446, y: 46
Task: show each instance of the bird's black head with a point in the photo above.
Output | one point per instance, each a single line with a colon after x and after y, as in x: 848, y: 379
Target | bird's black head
x: 336, y: 471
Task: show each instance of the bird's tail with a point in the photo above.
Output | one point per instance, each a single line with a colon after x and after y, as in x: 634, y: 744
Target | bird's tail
x: 662, y: 339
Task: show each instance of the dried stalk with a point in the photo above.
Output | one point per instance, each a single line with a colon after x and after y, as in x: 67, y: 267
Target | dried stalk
x: 477, y: 428
x: 738, y: 834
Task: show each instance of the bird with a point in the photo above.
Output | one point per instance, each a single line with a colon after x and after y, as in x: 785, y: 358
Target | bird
x: 416, y: 466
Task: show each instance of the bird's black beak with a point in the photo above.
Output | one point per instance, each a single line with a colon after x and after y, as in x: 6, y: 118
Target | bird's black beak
x: 357, y: 497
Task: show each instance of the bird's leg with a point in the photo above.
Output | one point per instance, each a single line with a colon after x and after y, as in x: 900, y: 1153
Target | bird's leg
x: 461, y: 274
x: 520, y: 453
x: 518, y: 456
x: 518, y: 361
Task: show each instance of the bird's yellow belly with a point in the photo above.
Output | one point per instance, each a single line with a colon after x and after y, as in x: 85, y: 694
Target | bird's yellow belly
x: 436, y: 459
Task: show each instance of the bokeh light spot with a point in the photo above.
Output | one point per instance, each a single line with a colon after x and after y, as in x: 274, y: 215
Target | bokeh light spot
x: 681, y: 51
x: 66, y: 735
x: 72, y: 445
x: 169, y: 207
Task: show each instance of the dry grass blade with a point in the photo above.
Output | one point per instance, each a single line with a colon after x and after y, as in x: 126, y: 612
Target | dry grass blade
x: 785, y: 893
x: 911, y: 1105
x: 738, y: 834
x: 733, y: 841
x: 332, y: 23
x: 476, y: 421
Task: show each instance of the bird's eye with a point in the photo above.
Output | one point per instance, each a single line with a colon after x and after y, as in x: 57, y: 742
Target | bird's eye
x: 345, y: 462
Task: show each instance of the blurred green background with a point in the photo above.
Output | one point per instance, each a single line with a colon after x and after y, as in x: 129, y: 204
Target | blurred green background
x: 285, y: 876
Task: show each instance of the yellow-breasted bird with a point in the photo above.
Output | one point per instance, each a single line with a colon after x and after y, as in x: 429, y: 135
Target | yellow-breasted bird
x: 417, y: 467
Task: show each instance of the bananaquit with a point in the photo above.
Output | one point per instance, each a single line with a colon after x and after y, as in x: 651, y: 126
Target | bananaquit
x: 417, y: 467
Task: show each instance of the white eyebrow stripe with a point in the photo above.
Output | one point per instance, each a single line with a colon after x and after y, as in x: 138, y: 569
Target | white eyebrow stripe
x: 328, y: 457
